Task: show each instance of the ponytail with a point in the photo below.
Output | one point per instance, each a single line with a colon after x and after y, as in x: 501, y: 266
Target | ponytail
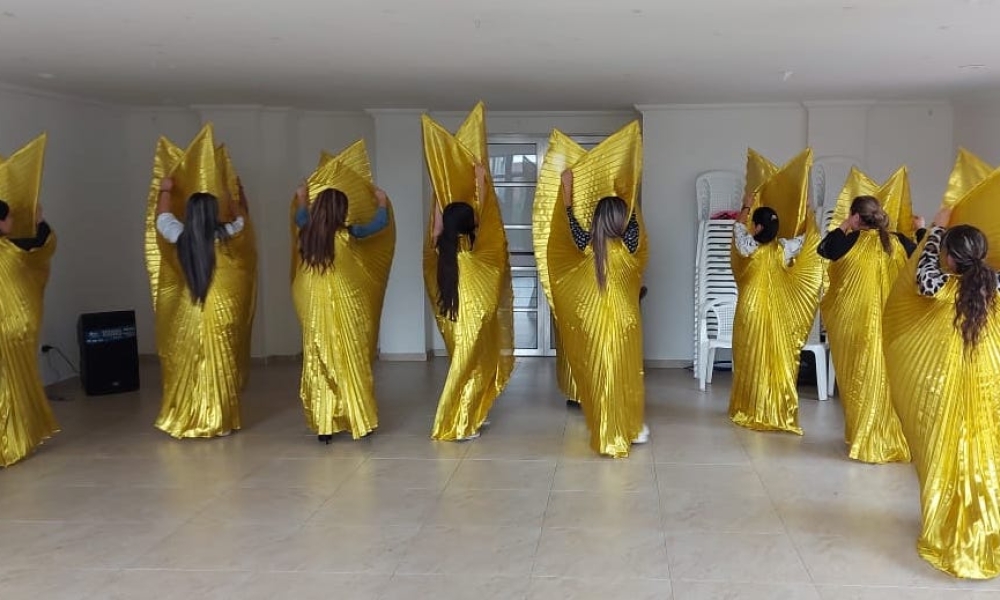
x: 609, y: 222
x: 872, y: 216
x: 977, y: 291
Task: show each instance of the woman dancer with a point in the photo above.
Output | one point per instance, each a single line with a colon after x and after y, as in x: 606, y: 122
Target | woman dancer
x: 468, y: 278
x: 342, y: 255
x: 942, y: 346
x: 866, y: 258
x: 203, y: 274
x: 778, y: 275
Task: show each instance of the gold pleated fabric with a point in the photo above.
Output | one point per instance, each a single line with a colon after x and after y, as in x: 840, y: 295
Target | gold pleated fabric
x: 852, y: 307
x: 204, y: 349
x: 340, y: 309
x: 26, y: 419
x: 948, y: 400
x: 480, y: 341
x: 600, y: 331
x: 777, y: 303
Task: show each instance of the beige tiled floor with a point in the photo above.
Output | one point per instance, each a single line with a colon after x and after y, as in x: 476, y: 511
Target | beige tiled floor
x: 111, y: 508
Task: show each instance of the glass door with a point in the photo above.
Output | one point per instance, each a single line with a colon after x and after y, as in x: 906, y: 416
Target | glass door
x: 514, y: 163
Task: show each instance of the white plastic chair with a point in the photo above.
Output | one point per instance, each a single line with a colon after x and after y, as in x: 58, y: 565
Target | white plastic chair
x: 819, y: 349
x: 723, y: 310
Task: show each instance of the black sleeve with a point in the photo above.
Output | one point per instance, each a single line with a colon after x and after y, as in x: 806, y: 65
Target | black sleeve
x: 909, y: 245
x: 41, y: 236
x: 921, y: 234
x: 836, y: 244
x: 580, y: 237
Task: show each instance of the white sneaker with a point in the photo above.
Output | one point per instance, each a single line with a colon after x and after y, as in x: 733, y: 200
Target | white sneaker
x: 643, y: 436
x: 470, y: 437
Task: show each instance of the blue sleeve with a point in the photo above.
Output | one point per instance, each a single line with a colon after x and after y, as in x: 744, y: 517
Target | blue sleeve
x: 377, y: 224
x: 302, y: 217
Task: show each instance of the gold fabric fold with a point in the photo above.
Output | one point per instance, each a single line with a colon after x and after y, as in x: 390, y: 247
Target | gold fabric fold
x: 600, y: 332
x: 859, y: 286
x: 26, y: 419
x: 786, y: 190
x: 480, y: 341
x: 777, y: 304
x: 204, y: 349
x: 340, y: 309
x: 21, y: 182
x: 948, y: 400
x: 563, y: 153
x: 893, y: 195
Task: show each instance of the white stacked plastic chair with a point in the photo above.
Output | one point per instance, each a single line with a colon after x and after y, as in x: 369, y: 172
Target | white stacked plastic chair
x: 716, y: 191
x: 721, y: 311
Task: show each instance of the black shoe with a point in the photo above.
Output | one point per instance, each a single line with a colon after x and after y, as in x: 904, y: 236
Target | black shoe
x: 572, y: 404
x: 325, y: 438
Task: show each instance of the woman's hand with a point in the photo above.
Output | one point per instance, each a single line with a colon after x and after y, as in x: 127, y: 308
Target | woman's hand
x: 302, y: 195
x: 943, y: 217
x: 166, y: 184
x: 242, y: 198
x: 567, y: 186
x: 919, y: 223
x: 39, y: 217
x: 851, y: 223
x: 381, y: 196
x: 438, y: 221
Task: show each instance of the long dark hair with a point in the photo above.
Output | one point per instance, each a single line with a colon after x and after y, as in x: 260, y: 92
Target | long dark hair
x: 872, y: 216
x: 457, y: 219
x: 767, y: 218
x: 609, y: 222
x: 4, y: 212
x: 327, y: 215
x: 977, y: 291
x: 196, y: 244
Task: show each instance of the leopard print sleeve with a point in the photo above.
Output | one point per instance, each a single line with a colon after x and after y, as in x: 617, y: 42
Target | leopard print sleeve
x: 745, y: 244
x: 930, y: 277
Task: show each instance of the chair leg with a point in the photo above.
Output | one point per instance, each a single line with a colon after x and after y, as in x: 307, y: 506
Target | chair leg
x: 710, y: 365
x: 702, y: 351
x: 831, y: 378
x: 702, y: 370
x: 820, y: 354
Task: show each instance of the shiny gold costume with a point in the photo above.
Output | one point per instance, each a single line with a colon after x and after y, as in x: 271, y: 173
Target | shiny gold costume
x: 340, y: 309
x: 26, y: 419
x: 602, y: 330
x: 204, y: 349
x: 860, y: 283
x: 480, y: 341
x: 777, y: 303
x: 948, y: 400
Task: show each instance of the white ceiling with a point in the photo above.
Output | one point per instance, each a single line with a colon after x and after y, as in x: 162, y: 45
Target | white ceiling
x: 514, y: 54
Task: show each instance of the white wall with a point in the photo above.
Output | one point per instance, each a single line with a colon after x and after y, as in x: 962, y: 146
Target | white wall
x: 683, y: 141
x: 977, y: 126
x: 82, y: 193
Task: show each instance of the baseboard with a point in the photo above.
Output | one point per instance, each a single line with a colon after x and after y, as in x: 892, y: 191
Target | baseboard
x: 667, y: 364
x: 404, y: 356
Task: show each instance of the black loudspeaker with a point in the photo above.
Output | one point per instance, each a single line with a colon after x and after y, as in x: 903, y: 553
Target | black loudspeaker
x: 109, y: 352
